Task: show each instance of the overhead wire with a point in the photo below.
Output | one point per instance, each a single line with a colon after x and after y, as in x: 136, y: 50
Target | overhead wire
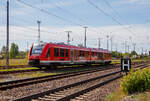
x: 49, y: 13
x: 106, y: 14
x: 44, y: 11
x: 68, y: 12
x: 115, y: 11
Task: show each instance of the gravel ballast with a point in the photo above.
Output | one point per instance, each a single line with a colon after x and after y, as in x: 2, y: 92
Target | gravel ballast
x: 39, y: 87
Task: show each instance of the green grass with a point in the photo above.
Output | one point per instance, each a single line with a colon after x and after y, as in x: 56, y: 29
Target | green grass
x: 18, y: 62
x: 16, y: 69
x: 37, y: 74
x: 115, y: 61
x: 14, y: 62
x: 119, y: 95
x: 133, y: 60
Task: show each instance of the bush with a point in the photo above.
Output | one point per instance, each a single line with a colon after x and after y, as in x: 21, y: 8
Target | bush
x: 138, y: 81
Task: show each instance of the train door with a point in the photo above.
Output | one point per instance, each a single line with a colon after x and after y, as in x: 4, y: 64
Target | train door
x: 71, y: 55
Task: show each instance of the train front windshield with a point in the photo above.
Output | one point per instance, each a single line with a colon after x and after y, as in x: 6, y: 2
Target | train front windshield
x: 37, y: 49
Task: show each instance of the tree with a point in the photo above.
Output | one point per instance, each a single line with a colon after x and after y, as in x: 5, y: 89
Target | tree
x: 133, y: 53
x: 80, y: 45
x: 3, y: 50
x: 14, y: 50
x: 116, y: 54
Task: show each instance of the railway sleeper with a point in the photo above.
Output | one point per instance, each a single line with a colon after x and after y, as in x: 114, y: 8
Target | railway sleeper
x: 72, y: 90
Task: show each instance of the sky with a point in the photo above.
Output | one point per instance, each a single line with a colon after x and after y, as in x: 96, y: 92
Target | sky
x: 124, y: 21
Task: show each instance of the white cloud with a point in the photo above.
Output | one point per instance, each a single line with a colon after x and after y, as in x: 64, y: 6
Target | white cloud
x: 140, y: 35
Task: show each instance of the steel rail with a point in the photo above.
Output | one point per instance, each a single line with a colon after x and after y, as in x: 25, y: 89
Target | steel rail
x: 71, y: 96
x: 28, y: 98
x: 27, y: 81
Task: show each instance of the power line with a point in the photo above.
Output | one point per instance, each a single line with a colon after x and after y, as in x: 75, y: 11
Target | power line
x: 34, y: 29
x: 49, y: 13
x: 44, y: 11
x: 108, y: 4
x: 70, y: 13
x: 106, y: 14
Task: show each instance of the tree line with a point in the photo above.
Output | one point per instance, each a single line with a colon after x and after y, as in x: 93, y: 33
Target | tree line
x: 14, y: 52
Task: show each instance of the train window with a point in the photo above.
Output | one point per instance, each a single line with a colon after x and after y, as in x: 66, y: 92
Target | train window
x: 76, y: 54
x: 62, y: 52
x: 37, y: 49
x: 80, y: 53
x: 48, y: 53
x: 87, y: 54
x: 98, y: 54
x: 56, y: 52
x: 101, y: 54
x: 66, y: 52
x: 92, y: 53
x: 83, y: 53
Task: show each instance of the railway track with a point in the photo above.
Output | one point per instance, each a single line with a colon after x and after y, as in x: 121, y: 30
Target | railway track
x: 20, y: 71
x: 24, y: 87
x: 71, y: 91
x: 28, y: 81
x: 68, y: 92
x: 32, y: 70
x: 22, y: 82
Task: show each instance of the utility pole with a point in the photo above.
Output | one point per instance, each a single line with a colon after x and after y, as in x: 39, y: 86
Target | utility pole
x: 39, y: 22
x: 99, y: 43
x: 125, y: 46
x: 107, y: 42
x: 142, y: 50
x: 116, y: 47
x: 145, y: 51
x: 128, y: 48
x: 27, y: 45
x: 134, y: 44
x: 68, y: 41
x: 111, y: 40
x: 27, y: 50
x: 7, y: 43
x: 85, y: 36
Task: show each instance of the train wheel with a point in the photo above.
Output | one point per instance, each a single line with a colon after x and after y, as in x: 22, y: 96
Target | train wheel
x: 88, y: 64
x: 39, y: 67
x: 53, y: 66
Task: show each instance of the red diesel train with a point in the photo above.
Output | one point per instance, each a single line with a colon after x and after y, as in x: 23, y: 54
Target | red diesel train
x: 52, y: 54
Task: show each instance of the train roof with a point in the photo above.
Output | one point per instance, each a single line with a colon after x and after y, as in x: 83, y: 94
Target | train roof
x: 62, y: 45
